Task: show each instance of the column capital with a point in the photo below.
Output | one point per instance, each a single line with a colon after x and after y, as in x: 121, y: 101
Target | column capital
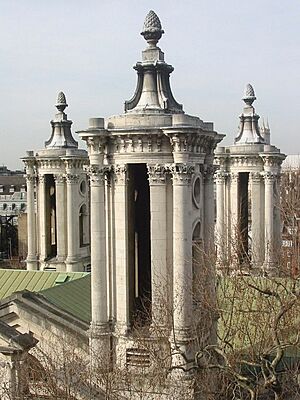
x: 97, y: 174
x: 59, y: 178
x: 41, y: 178
x: 30, y: 178
x: 157, y: 173
x: 181, y: 172
x: 72, y: 178
x: 208, y: 173
x: 255, y: 177
x: 270, y: 177
x: 234, y: 177
x: 220, y: 176
x: 120, y: 173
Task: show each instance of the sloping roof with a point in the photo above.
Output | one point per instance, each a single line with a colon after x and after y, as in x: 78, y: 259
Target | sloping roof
x: 12, y: 281
x: 73, y: 297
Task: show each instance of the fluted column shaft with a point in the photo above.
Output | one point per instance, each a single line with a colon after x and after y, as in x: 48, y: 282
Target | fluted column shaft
x: 159, y: 268
x: 209, y: 210
x: 72, y: 220
x: 235, y: 246
x: 220, y: 221
x: 98, y: 247
x: 182, y: 249
x: 269, y: 219
x: 31, y: 261
x: 121, y: 246
x: 60, y: 193
x: 42, y: 216
x: 256, y: 219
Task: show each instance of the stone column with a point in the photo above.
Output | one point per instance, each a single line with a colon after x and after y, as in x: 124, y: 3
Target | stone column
x: 209, y: 210
x: 98, y: 250
x: 42, y: 217
x: 31, y: 261
x: 159, y: 269
x: 257, y: 246
x: 277, y: 218
x: 60, y: 193
x: 182, y: 250
x: 72, y: 221
x: 269, y: 220
x: 121, y: 248
x: 234, y: 217
x: 220, y: 220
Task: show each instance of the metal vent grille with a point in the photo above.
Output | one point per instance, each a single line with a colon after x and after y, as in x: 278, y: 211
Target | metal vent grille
x: 137, y: 357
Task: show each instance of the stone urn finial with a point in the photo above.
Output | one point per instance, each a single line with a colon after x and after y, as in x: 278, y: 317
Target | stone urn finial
x: 61, y: 102
x: 249, y: 95
x: 152, y: 29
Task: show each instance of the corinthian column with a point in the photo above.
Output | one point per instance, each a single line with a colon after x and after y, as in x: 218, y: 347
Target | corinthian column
x: 72, y: 221
x: 269, y: 220
x: 220, y: 221
x: 60, y: 193
x: 209, y: 210
x: 159, y: 268
x: 121, y: 246
x: 257, y: 245
x: 182, y: 249
x: 31, y: 261
x: 98, y: 249
x: 42, y: 217
x: 234, y: 237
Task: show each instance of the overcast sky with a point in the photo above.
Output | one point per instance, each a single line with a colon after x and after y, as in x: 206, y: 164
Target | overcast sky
x: 87, y: 49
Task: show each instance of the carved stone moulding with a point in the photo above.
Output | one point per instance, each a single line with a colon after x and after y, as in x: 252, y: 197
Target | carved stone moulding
x: 138, y: 143
x: 245, y: 161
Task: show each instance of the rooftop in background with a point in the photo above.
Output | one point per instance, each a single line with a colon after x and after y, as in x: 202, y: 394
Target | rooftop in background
x: 5, y: 171
x: 12, y: 281
x: 73, y: 297
x: 292, y: 161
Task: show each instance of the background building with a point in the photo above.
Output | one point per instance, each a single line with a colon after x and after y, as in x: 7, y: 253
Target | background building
x: 248, y: 223
x: 58, y: 222
x: 12, y: 208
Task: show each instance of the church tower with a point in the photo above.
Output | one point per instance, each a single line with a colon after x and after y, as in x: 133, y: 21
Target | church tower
x: 151, y: 181
x: 57, y: 200
x: 247, y: 185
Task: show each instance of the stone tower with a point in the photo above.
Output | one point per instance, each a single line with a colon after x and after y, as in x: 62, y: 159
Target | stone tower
x: 151, y: 181
x: 57, y: 200
x: 247, y: 186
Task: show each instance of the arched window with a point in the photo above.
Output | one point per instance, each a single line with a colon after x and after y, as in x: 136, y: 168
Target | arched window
x: 83, y: 226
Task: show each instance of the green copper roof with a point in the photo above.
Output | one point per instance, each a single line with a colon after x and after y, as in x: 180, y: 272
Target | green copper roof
x: 12, y: 281
x: 73, y: 297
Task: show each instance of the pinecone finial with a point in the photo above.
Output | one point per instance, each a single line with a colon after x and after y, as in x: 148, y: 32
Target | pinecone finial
x: 152, y: 29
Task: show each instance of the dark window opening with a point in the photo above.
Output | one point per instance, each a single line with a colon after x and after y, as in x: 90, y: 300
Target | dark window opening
x: 51, y: 233
x: 243, y: 218
x: 83, y: 226
x: 139, y: 244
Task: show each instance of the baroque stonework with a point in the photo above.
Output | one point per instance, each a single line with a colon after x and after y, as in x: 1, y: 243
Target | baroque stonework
x: 182, y: 173
x: 97, y: 174
x: 157, y: 173
x: 120, y: 173
x: 255, y: 177
x: 72, y: 178
x: 59, y: 178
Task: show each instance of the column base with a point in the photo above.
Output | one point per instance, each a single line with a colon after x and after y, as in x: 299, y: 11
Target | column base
x: 100, y: 347
x: 31, y: 264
